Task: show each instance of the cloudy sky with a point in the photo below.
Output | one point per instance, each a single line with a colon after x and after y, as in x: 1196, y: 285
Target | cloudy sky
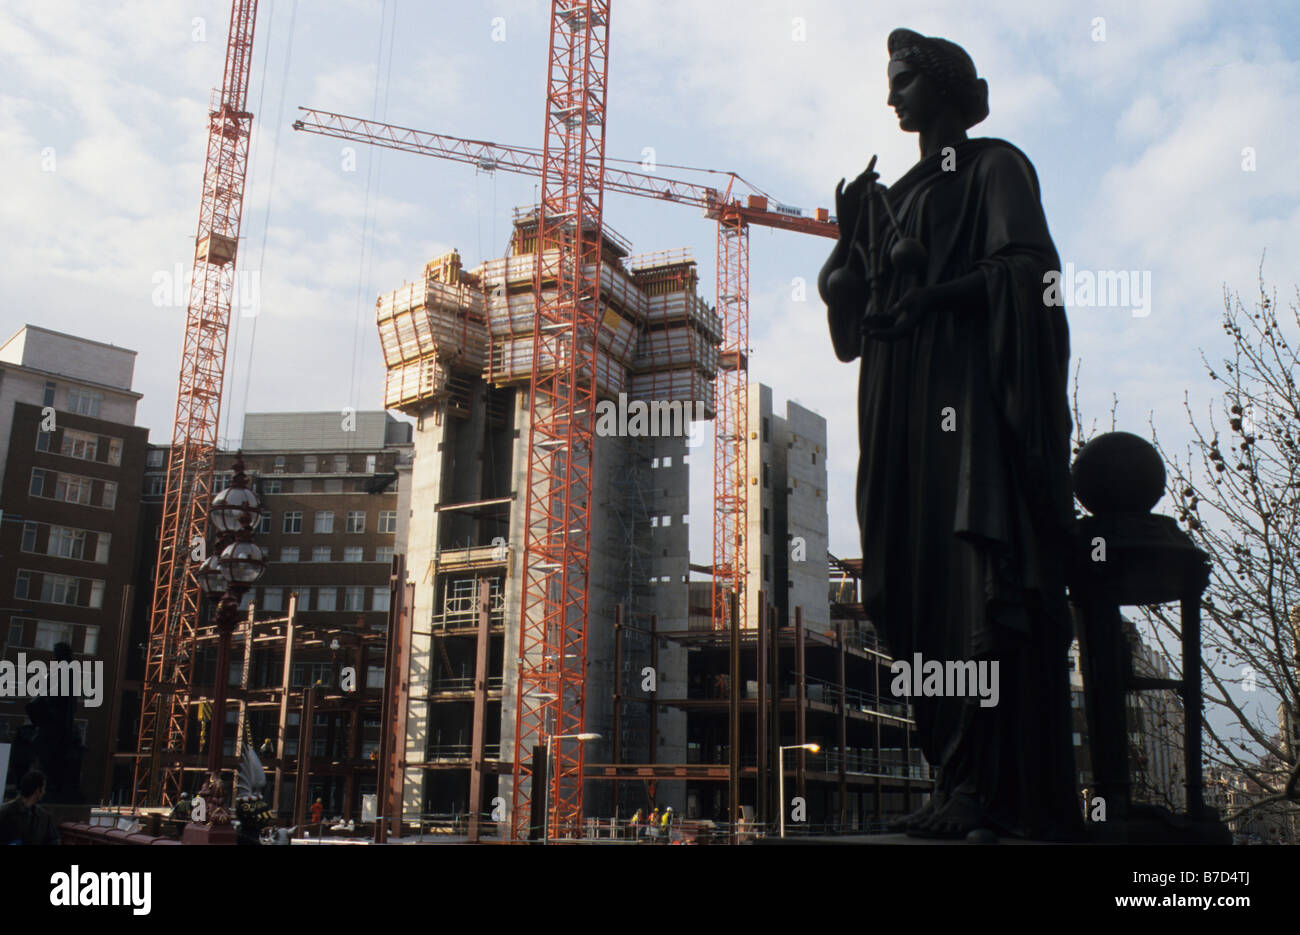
x: 1164, y: 136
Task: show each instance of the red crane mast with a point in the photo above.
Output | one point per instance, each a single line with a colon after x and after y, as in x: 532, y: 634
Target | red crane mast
x: 169, y: 664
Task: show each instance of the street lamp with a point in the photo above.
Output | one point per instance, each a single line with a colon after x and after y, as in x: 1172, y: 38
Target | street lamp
x: 550, y: 777
x: 780, y: 774
x: 237, y: 563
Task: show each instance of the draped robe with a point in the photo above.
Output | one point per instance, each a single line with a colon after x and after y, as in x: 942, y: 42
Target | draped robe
x: 963, y: 491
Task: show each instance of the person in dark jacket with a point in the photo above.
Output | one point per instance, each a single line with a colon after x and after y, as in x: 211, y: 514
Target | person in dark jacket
x: 22, y: 821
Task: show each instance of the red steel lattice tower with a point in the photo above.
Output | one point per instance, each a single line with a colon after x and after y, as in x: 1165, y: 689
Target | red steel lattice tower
x: 550, y: 695
x: 730, y: 447
x: 164, y: 714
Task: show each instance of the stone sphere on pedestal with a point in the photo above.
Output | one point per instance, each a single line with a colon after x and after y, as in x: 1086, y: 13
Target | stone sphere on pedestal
x: 1118, y: 472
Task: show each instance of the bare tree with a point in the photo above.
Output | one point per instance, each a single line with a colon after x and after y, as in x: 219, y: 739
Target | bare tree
x: 1236, y: 490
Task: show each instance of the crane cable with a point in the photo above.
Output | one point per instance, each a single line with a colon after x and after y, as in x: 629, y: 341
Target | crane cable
x: 372, y: 170
x: 254, y: 162
x: 270, y: 194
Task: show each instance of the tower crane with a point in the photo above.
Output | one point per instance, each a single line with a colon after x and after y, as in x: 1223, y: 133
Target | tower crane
x: 169, y: 663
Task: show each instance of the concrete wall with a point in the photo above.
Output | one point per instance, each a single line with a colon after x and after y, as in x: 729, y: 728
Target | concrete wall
x: 804, y: 519
x: 70, y: 356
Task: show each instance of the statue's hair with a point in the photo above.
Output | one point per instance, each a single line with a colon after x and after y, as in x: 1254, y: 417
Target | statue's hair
x: 950, y: 68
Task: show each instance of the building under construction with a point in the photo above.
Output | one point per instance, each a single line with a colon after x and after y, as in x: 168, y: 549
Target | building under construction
x: 460, y: 351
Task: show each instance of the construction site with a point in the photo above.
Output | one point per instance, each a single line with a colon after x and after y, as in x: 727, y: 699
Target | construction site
x: 553, y: 663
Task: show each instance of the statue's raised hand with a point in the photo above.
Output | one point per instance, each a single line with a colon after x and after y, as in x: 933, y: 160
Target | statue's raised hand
x: 849, y: 200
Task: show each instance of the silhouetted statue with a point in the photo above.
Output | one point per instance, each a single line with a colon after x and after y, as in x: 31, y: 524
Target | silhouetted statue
x: 963, y: 491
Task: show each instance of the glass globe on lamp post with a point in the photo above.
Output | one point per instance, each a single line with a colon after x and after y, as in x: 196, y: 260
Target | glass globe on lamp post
x: 212, y: 577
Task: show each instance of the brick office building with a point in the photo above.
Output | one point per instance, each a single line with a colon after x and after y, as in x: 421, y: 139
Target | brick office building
x: 72, y: 467
x: 328, y: 485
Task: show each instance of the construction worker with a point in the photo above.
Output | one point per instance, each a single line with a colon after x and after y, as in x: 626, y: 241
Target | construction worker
x: 317, y: 812
x: 652, y: 826
x: 667, y: 822
x: 635, y: 821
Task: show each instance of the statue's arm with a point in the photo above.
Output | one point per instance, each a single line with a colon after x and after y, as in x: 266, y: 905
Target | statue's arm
x: 969, y: 293
x: 843, y: 312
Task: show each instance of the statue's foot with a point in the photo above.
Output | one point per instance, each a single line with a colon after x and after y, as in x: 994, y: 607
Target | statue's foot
x: 956, y: 818
x: 908, y: 822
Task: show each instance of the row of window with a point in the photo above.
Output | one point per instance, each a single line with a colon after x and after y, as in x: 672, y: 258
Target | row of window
x: 66, y: 542
x: 30, y: 633
x: 327, y: 598
x: 73, y: 488
x: 81, y: 401
x: 310, y: 464
x: 85, y: 446
x: 155, y: 485
x: 323, y: 521
x: 336, y: 464
x: 324, y: 553
x: 58, y: 589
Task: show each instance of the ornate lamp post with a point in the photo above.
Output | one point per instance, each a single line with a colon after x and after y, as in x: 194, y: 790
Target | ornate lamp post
x: 234, y: 566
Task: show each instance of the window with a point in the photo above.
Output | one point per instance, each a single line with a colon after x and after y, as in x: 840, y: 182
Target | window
x: 37, y: 487
x: 273, y: 598
x: 309, y: 464
x: 72, y: 489
x: 353, y: 553
x: 102, y: 542
x: 96, y: 594
x: 272, y: 485
x: 765, y: 480
x: 340, y: 464
x: 354, y: 598
x: 155, y: 485
x: 767, y: 520
x: 388, y: 521
x: 667, y: 462
x: 384, y: 554
x: 767, y: 568
x: 766, y: 428
x: 29, y: 537
x: 66, y: 543
x: 264, y: 527
x: 59, y: 589
x: 356, y: 521
x: 43, y: 440
x: 48, y: 398
x: 304, y: 598
x: 302, y: 485
x: 109, y: 499
x: 154, y: 458
x: 370, y: 464
x: 49, y: 633
x: 666, y: 521
x: 279, y: 464
x: 814, y: 457
x: 322, y: 553
x: 325, y: 598
x: 334, y: 485
x: 379, y: 598
x: 289, y: 553
x: 292, y: 522
x: 85, y: 402
x: 324, y: 521
x: 22, y: 585
x: 81, y: 445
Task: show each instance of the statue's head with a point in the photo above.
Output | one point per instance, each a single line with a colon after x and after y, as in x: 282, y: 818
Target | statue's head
x: 931, y: 77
